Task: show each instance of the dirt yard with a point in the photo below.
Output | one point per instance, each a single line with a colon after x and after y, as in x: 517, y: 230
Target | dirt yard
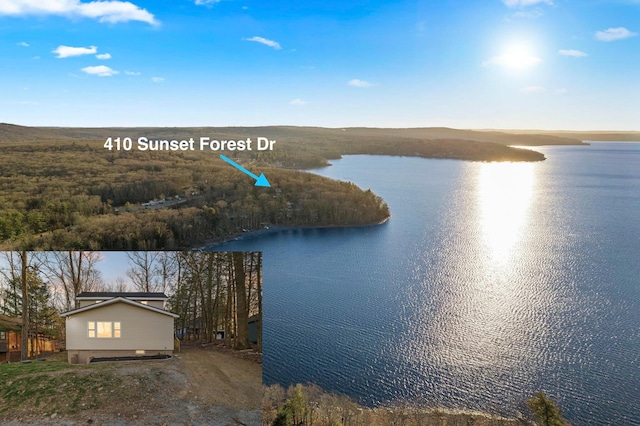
x: 196, y: 387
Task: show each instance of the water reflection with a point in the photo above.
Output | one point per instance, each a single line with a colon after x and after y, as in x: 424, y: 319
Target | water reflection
x: 504, y: 197
x: 496, y: 290
x: 482, y: 322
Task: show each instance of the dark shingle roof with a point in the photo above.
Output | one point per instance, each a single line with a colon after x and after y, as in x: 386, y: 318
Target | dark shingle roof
x: 110, y: 294
x: 114, y: 300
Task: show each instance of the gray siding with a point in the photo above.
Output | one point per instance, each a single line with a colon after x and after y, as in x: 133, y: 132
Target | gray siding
x: 141, y: 329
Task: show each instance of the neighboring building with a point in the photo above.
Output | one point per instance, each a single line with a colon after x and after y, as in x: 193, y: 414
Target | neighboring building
x: 11, y: 340
x: 108, y: 325
x: 254, y: 324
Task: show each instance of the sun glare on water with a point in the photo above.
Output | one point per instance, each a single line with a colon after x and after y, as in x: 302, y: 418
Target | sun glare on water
x: 505, y: 192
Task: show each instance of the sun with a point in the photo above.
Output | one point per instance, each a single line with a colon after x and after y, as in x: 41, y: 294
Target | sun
x: 515, y: 56
x: 519, y: 56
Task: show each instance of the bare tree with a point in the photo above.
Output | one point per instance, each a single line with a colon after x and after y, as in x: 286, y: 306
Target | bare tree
x: 118, y: 286
x: 166, y: 269
x: 215, y: 291
x: 74, y: 272
x: 143, y: 271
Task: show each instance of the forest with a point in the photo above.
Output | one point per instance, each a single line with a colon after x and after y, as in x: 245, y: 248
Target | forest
x: 215, y: 293
x: 77, y: 195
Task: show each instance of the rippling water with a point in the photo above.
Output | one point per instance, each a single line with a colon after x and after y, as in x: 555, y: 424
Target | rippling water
x: 490, y: 282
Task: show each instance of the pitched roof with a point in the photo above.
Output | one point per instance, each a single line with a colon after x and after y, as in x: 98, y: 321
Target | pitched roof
x: 118, y: 300
x: 10, y: 323
x: 128, y: 295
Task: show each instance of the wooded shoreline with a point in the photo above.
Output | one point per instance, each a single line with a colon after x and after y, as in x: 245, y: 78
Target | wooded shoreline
x: 250, y: 234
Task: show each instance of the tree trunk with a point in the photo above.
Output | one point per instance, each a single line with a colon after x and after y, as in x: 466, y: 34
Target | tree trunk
x: 259, y: 289
x: 242, y: 338
x: 228, y: 310
x: 24, y: 347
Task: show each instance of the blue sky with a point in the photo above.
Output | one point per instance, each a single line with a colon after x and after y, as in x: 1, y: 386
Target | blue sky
x: 530, y: 64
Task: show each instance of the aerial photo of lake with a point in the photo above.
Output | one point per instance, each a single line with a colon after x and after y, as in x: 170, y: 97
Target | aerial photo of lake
x: 491, y: 281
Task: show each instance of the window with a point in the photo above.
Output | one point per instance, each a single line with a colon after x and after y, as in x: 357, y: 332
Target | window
x: 3, y: 335
x: 104, y: 329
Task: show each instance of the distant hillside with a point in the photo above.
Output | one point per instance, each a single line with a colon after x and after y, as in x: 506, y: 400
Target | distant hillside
x: 592, y: 135
x: 601, y: 136
x: 15, y: 133
x: 500, y: 137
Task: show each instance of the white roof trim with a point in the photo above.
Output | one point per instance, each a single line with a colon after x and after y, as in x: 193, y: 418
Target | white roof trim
x: 128, y: 297
x: 119, y: 300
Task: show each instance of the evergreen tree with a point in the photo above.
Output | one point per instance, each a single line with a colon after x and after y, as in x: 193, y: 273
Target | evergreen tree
x: 545, y: 410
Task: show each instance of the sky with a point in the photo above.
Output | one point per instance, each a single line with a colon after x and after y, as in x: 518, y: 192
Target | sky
x: 501, y: 64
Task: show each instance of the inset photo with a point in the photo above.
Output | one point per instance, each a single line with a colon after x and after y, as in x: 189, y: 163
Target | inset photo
x: 130, y: 337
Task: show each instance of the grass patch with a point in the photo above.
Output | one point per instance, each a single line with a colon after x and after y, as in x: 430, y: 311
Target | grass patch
x: 9, y: 372
x: 54, y: 386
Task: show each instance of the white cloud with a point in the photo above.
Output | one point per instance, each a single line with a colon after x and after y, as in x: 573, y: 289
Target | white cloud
x: 359, y: 83
x: 131, y: 73
x: 523, y: 3
x: 612, y: 34
x: 206, y: 2
x: 571, y: 52
x: 104, y: 11
x: 157, y: 79
x: 533, y: 89
x: 68, y: 51
x: 104, y: 56
x: 23, y: 44
x: 100, y: 70
x: 265, y: 41
x: 298, y: 102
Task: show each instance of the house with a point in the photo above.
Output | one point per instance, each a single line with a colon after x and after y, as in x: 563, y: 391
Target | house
x: 11, y: 340
x: 108, y: 325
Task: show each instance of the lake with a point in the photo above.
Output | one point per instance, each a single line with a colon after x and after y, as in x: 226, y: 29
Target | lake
x: 491, y: 281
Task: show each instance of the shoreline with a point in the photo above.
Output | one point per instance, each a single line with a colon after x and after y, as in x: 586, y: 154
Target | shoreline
x: 278, y: 396
x: 272, y: 230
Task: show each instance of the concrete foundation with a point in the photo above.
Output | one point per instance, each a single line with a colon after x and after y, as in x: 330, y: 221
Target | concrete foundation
x: 85, y: 356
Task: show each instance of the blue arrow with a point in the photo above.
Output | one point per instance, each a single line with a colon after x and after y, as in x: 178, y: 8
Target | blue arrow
x: 260, y: 180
